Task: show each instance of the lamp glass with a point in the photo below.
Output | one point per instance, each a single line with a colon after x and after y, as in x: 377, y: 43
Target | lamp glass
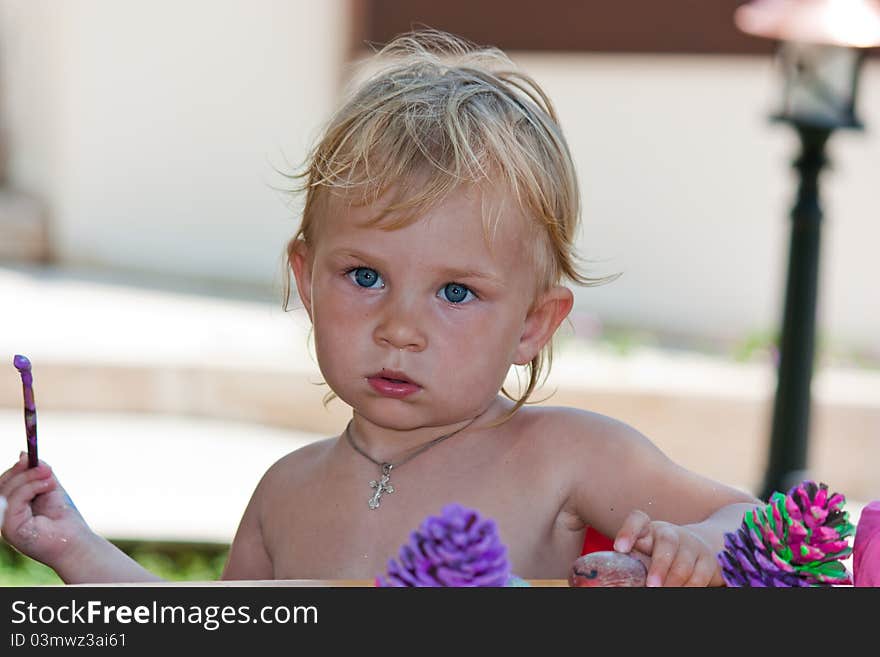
x: 819, y: 84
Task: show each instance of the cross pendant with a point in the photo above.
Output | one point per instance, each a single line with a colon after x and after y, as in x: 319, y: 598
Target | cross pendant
x: 383, y: 485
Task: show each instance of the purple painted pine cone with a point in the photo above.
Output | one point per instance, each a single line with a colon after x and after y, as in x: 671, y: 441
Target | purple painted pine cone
x: 457, y: 548
x: 798, y: 539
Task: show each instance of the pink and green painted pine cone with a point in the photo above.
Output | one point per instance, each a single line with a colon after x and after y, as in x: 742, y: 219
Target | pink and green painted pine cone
x: 798, y: 539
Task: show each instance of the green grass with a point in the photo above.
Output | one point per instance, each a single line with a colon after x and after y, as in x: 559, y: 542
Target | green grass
x: 759, y: 345
x: 172, y: 561
x: 755, y: 345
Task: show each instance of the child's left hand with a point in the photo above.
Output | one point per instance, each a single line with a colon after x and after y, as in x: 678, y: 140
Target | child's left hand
x: 678, y: 555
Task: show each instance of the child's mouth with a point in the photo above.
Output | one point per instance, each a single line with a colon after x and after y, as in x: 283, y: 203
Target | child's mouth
x: 392, y: 384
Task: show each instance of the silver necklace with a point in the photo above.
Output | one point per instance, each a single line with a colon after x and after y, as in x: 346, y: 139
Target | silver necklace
x: 383, y: 484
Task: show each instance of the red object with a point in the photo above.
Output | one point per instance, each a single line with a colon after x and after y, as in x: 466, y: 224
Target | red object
x: 595, y: 541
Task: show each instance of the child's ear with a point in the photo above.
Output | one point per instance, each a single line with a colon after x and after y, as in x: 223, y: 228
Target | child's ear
x: 300, y: 257
x: 542, y: 321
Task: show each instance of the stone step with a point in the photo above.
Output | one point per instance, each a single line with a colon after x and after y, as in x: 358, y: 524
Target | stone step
x: 719, y: 435
x: 111, y: 347
x: 24, y: 231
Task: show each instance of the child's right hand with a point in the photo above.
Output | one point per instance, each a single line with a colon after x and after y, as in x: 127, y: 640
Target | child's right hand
x: 40, y: 521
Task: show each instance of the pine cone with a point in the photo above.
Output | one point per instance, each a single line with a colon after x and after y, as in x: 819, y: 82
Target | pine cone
x: 798, y: 539
x: 458, y: 548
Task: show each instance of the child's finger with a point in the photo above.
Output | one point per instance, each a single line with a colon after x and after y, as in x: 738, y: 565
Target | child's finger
x: 22, y: 477
x: 18, y: 466
x: 636, y: 525
x: 22, y: 496
x: 666, y: 546
x: 704, y: 571
x: 681, y: 569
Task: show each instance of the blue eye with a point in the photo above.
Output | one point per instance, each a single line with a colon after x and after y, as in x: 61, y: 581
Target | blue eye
x: 366, y: 277
x: 456, y: 293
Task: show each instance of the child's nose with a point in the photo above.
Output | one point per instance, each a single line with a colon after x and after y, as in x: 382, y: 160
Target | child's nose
x: 401, y: 327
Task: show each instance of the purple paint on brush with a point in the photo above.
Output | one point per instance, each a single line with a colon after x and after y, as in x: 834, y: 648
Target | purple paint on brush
x: 23, y: 365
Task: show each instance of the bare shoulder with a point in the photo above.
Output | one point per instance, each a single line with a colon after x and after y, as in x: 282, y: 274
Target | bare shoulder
x: 572, y: 444
x: 610, y: 468
x: 296, y: 467
x: 569, y: 432
x: 250, y: 556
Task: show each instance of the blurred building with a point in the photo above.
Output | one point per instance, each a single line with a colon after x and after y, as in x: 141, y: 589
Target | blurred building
x: 153, y: 135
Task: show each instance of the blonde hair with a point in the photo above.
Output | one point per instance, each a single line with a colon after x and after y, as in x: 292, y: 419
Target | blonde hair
x: 441, y: 113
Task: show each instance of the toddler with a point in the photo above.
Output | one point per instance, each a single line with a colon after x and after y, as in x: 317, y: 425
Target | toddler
x: 441, y: 208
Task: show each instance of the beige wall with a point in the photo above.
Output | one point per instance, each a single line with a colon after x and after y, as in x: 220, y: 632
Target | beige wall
x: 152, y: 130
x: 687, y: 190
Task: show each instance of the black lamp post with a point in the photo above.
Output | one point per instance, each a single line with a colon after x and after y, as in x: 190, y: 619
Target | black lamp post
x: 821, y: 49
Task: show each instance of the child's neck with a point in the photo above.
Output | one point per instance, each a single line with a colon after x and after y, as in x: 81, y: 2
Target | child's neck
x: 388, y: 444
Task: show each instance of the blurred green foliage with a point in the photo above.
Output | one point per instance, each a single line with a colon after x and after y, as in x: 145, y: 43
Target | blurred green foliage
x: 829, y: 352
x: 179, y: 562
x: 757, y: 344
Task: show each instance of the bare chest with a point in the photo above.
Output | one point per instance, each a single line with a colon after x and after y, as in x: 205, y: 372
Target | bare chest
x: 348, y: 527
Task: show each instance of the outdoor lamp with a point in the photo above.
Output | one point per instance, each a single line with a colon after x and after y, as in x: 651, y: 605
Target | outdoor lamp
x: 822, y: 45
x: 821, y: 51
